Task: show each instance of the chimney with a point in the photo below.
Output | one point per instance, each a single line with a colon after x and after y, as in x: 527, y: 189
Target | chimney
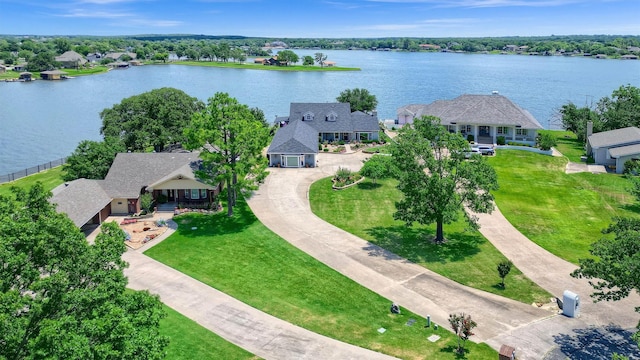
x: 589, y: 128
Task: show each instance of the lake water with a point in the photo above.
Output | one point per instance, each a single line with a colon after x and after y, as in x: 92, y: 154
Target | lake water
x: 44, y: 120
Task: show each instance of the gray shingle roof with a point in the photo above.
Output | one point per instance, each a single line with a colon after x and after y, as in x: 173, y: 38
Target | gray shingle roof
x: 618, y: 137
x: 80, y: 199
x: 71, y: 56
x: 295, y: 138
x: 131, y: 172
x: 494, y: 109
x: 625, y: 151
x: 320, y: 113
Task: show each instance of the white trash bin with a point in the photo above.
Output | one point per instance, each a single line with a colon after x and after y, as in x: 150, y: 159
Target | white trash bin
x: 570, y: 304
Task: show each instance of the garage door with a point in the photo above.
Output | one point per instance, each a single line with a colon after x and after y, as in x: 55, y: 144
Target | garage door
x: 292, y: 161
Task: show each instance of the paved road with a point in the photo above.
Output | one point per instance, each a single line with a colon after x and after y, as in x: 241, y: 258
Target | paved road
x: 282, y: 205
x: 241, y: 324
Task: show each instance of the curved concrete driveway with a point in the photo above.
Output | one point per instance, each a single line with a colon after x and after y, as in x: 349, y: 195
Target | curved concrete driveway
x: 282, y: 205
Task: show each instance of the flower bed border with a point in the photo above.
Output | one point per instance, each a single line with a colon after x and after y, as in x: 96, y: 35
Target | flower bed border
x: 346, y: 186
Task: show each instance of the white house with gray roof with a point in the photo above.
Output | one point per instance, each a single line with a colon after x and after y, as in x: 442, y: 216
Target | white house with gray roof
x: 295, y: 144
x: 168, y: 175
x: 71, y: 59
x: 484, y: 116
x: 615, y: 147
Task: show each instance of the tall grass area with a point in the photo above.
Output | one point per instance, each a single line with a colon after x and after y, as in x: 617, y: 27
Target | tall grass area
x: 563, y: 213
x: 366, y: 210
x: 244, y: 259
x: 188, y: 340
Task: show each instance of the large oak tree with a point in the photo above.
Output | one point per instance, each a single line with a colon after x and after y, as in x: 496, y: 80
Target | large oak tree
x: 436, y: 180
x: 61, y: 298
x: 153, y: 119
x: 231, y: 140
x: 359, y: 99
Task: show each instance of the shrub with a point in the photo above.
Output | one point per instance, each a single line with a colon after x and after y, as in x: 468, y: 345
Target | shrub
x: 319, y: 146
x: 325, y: 149
x: 470, y: 138
x: 500, y: 140
x: 146, y: 202
x: 341, y: 142
x: 631, y: 167
x: 546, y: 140
x: 162, y: 198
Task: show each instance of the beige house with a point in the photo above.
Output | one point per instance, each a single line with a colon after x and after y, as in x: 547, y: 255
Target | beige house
x: 71, y: 60
x: 166, y: 176
x: 484, y: 117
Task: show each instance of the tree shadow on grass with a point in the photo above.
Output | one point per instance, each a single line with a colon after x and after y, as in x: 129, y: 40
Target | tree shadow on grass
x: 218, y: 223
x: 595, y: 343
x: 453, y: 350
x: 635, y: 208
x: 416, y: 245
x: 368, y: 185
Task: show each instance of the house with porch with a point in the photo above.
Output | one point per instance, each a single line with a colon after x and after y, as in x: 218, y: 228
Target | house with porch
x: 615, y: 147
x: 167, y: 177
x: 295, y: 144
x: 485, y: 117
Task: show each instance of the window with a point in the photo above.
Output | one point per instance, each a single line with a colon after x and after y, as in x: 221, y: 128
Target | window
x: 332, y: 116
x: 187, y: 194
x: 195, y: 194
x: 203, y: 193
x: 364, y: 136
x: 465, y: 129
x: 308, y: 116
x: 521, y: 132
x: 502, y: 130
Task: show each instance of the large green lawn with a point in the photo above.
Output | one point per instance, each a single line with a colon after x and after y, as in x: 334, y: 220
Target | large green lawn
x: 49, y: 179
x: 563, y: 213
x: 244, y: 259
x: 188, y: 340
x: 467, y: 257
x: 568, y: 144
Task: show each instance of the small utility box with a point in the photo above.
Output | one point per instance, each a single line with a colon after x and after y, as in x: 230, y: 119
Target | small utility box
x: 570, y: 304
x: 507, y: 353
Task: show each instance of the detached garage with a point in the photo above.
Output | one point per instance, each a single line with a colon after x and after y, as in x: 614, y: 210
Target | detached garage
x: 294, y: 145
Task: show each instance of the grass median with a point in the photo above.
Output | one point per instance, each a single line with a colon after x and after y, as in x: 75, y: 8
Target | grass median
x: 366, y: 210
x: 241, y: 257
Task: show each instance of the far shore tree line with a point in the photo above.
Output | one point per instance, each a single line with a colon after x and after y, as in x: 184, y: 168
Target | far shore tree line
x: 40, y: 52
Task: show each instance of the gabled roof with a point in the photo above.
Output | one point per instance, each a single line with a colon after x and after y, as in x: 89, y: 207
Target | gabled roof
x: 615, y: 138
x: 131, y: 172
x: 345, y: 121
x: 494, y: 109
x: 320, y: 112
x: 295, y: 138
x: 80, y: 199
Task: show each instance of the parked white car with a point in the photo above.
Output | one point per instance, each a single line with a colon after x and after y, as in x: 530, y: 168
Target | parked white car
x: 485, y: 149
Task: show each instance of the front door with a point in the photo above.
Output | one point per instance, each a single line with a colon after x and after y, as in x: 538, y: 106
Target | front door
x: 484, y: 131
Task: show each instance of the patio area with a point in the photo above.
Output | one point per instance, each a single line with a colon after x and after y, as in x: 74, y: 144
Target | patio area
x: 141, y: 231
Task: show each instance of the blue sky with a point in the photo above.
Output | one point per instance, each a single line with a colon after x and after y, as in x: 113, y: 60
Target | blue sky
x: 329, y: 19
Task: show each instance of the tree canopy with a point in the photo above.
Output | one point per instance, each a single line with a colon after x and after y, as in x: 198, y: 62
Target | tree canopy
x: 230, y: 139
x: 359, y: 99
x: 286, y: 57
x: 153, y: 119
x: 620, y: 110
x: 436, y: 181
x: 320, y: 58
x: 91, y: 159
x: 61, y: 298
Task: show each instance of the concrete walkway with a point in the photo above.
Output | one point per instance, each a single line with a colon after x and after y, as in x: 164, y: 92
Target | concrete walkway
x: 238, y: 323
x: 282, y: 205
